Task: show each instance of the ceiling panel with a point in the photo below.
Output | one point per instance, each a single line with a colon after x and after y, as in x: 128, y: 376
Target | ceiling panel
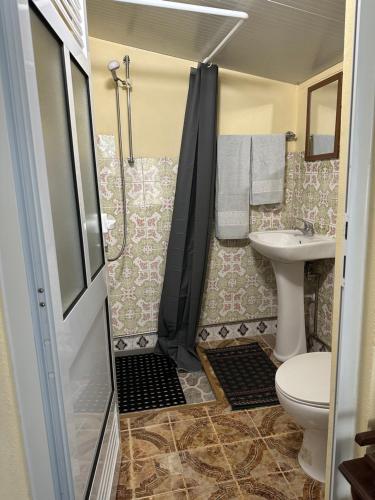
x: 287, y: 40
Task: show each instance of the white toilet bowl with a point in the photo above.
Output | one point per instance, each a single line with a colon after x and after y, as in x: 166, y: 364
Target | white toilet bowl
x: 303, y: 385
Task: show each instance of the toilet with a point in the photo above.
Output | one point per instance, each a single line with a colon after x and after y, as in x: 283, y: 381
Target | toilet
x: 303, y: 387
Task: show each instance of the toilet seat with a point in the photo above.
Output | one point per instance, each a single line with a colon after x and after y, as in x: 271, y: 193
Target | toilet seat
x: 301, y: 402
x: 305, y: 379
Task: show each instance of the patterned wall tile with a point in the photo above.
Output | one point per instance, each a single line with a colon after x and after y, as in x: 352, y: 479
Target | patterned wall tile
x: 240, y: 283
x: 209, y: 333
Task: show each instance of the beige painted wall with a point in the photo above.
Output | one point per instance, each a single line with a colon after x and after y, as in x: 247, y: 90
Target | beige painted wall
x: 13, y: 473
x: 248, y: 104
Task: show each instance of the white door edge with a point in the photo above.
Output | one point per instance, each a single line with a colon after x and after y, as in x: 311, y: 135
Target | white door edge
x: 352, y: 297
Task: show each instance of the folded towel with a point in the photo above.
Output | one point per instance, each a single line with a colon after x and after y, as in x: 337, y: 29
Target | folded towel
x: 267, y: 169
x: 233, y: 187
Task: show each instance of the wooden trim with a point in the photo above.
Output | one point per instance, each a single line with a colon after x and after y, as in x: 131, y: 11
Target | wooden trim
x: 359, y: 472
x: 365, y: 438
x: 336, y: 152
x: 360, y: 475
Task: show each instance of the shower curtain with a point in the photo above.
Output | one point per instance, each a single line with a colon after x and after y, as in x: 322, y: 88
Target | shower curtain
x: 191, y: 223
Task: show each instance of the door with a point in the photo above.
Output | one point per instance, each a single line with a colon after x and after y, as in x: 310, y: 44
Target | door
x: 346, y: 376
x: 71, y: 287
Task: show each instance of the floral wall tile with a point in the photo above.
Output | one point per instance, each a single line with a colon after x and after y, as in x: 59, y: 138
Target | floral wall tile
x: 240, y: 284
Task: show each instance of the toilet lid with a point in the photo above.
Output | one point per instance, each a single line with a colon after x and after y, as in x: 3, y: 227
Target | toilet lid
x: 306, y: 378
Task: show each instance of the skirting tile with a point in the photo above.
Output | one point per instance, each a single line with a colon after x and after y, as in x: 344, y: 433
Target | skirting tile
x: 235, y: 330
x: 261, y: 326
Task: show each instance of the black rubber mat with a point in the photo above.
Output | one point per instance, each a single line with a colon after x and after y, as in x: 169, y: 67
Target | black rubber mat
x: 246, y: 374
x: 147, y: 381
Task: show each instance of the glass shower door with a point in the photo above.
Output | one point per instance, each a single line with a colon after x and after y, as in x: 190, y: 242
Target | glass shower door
x: 76, y: 263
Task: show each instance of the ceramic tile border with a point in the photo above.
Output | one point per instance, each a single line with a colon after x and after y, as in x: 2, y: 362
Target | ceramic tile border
x: 204, y: 334
x: 134, y: 342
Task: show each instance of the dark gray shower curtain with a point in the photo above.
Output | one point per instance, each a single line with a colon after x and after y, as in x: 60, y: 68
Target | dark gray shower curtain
x: 191, y: 223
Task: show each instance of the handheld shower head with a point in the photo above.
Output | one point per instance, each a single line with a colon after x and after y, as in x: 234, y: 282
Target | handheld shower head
x: 126, y: 61
x: 113, y: 66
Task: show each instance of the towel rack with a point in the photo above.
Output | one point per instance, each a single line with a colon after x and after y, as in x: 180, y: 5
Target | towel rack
x: 290, y: 136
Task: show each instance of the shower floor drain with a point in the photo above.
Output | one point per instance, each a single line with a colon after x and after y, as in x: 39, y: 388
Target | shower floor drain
x: 146, y: 382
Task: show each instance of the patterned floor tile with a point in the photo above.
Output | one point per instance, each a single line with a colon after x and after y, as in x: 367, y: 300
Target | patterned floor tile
x: 251, y: 340
x: 196, y: 387
x: 148, y: 418
x: 205, y: 345
x: 211, y: 376
x: 213, y: 451
x: 304, y: 486
x: 151, y: 441
x: 125, y: 474
x: 124, y: 493
x: 204, y: 466
x: 270, y: 339
x: 181, y: 413
x: 124, y: 423
x: 271, y: 487
x: 250, y: 458
x: 222, y: 491
x: 194, y: 433
x: 220, y: 408
x: 234, y: 427
x: 172, y: 495
x: 275, y: 361
x: 157, y: 475
x: 269, y: 352
x: 125, y: 445
x: 273, y: 420
x: 285, y: 449
x: 216, y: 344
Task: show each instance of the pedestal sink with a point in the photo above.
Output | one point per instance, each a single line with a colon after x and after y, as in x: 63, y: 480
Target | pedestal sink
x: 288, y: 251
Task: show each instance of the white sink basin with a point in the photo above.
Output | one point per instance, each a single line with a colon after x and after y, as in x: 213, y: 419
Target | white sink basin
x: 292, y: 245
x: 288, y: 251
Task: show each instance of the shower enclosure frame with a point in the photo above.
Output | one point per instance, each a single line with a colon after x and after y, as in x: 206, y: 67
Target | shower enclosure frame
x: 29, y: 281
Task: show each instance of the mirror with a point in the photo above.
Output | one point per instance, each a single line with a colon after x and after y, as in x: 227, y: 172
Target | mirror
x: 323, y: 119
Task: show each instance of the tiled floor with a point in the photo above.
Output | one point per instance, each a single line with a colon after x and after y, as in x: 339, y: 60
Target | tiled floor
x: 205, y: 451
x: 196, y: 387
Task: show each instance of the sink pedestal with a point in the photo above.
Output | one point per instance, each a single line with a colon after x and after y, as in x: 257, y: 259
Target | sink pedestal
x: 290, y: 336
x: 288, y: 250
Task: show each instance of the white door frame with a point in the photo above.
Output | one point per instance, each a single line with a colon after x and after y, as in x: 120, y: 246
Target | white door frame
x: 18, y: 271
x: 24, y: 255
x: 357, y: 207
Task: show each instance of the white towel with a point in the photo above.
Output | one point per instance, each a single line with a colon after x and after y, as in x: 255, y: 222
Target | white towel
x: 267, y: 169
x: 233, y: 187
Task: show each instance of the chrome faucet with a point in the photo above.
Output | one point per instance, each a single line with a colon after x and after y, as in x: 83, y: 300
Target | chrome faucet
x: 308, y: 227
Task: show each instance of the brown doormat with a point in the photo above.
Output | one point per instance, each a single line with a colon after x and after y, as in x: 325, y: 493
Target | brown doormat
x: 246, y: 374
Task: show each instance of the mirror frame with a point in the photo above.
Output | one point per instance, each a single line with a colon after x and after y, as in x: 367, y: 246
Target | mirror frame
x: 336, y: 152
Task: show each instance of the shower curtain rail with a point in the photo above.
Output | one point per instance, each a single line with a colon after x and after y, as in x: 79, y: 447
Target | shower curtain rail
x: 201, y: 9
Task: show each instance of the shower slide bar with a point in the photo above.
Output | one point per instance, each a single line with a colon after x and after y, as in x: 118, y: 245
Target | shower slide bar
x: 113, y: 66
x: 201, y: 9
